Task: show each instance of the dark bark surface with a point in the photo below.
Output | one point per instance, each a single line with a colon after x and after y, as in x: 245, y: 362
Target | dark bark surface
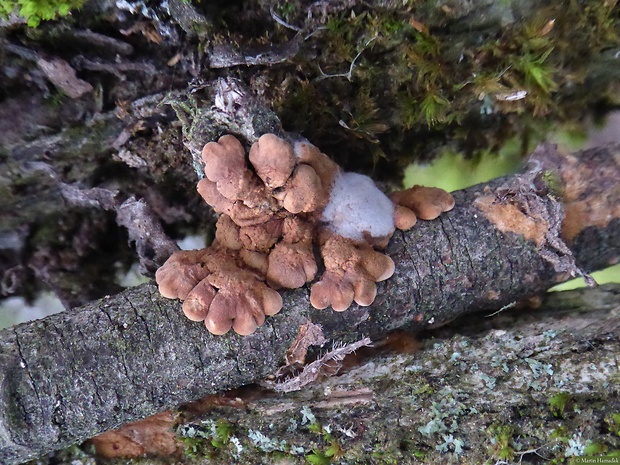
x: 73, y: 375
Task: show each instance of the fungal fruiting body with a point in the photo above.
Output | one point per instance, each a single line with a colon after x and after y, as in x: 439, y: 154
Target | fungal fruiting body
x: 277, y: 205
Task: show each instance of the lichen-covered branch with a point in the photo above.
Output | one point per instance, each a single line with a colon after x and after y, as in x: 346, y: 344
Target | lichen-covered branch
x: 73, y: 375
x: 514, y: 388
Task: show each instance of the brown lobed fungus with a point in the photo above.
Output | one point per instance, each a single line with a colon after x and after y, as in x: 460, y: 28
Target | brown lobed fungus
x: 277, y: 205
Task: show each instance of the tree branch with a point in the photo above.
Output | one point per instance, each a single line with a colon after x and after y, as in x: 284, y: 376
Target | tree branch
x: 73, y: 375
x: 498, y: 388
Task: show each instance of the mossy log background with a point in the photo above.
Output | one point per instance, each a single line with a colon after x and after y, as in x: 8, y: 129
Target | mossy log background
x: 93, y: 160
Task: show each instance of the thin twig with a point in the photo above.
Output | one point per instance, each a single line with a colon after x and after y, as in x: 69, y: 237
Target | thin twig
x: 281, y: 22
x: 349, y: 73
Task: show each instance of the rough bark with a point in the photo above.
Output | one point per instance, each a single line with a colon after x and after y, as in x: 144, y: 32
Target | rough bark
x: 520, y: 387
x: 70, y: 376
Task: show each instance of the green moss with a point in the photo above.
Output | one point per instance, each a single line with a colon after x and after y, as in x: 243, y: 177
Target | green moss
x: 56, y: 99
x: 422, y: 85
x: 223, y: 433
x: 595, y: 448
x: 558, y: 403
x: 285, y: 10
x: 318, y: 458
x: 207, y: 439
x: 553, y: 183
x: 435, y: 109
x: 613, y: 423
x: 35, y: 11
x: 332, y: 450
x: 194, y: 447
x: 536, y: 72
x: 560, y: 434
x: 384, y: 457
x: 501, y: 446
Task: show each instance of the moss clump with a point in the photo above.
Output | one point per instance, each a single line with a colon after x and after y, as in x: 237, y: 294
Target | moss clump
x: 558, y: 403
x: 595, y: 448
x: 613, y: 422
x: 397, y: 79
x: 35, y: 11
x: 332, y: 450
x: 501, y: 446
x: 208, y: 438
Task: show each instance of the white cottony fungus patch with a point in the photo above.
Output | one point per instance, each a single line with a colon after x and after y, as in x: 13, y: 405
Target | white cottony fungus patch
x: 357, y: 205
x: 297, y: 146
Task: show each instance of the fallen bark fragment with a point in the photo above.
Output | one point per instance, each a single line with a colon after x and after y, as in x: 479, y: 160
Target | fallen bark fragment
x: 152, y: 436
x: 226, y: 56
x: 63, y: 76
x: 313, y: 370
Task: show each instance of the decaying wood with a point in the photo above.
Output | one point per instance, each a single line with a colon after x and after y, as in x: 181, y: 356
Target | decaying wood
x: 73, y: 375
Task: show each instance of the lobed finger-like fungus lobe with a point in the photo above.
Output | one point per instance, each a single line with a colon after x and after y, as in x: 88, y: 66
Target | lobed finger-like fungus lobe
x: 278, y: 205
